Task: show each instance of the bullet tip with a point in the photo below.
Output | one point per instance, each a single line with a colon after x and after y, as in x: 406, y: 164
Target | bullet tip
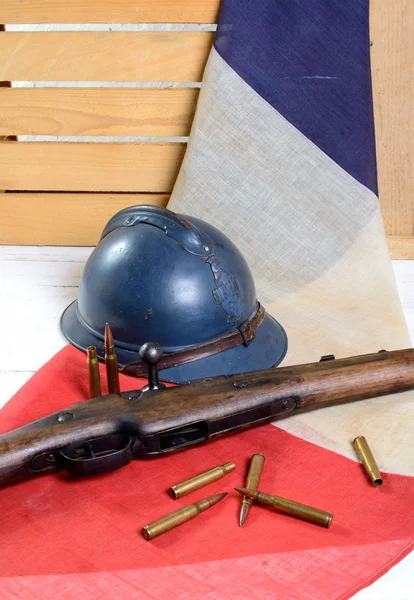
x: 244, y: 511
x: 218, y: 497
x: 109, y: 340
x: 211, y: 501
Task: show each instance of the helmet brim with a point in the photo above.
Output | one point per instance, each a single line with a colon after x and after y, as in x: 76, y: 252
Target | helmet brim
x: 267, y: 350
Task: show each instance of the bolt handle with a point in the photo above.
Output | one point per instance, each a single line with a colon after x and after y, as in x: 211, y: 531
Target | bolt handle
x: 151, y: 353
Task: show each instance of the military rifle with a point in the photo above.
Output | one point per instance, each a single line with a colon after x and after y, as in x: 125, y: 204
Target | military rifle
x: 100, y: 435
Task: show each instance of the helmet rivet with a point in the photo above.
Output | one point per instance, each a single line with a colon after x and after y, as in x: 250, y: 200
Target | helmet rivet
x: 206, y: 249
x: 63, y: 417
x: 241, y: 383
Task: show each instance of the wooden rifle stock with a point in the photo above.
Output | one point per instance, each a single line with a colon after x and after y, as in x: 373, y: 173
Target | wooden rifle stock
x: 103, y: 434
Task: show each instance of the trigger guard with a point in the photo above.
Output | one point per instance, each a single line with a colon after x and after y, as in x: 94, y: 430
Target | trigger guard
x: 118, y: 450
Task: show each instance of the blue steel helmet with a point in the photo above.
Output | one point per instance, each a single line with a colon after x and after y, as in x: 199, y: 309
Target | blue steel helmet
x: 162, y: 277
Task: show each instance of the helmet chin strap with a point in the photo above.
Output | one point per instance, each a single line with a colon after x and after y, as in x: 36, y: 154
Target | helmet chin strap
x: 243, y: 335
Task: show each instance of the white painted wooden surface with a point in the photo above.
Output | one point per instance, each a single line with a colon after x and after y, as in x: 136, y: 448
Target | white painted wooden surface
x: 37, y: 283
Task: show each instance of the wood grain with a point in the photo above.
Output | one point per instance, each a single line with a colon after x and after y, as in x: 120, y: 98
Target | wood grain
x: 97, y: 111
x: 113, y: 167
x: 393, y: 86
x: 401, y: 247
x: 104, y: 55
x: 109, y: 11
x: 63, y: 219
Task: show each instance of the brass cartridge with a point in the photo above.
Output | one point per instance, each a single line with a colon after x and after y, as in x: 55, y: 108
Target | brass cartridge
x: 371, y: 468
x: 252, y: 483
x: 179, y: 517
x: 198, y: 481
x: 289, y: 507
x: 111, y: 362
x: 95, y: 389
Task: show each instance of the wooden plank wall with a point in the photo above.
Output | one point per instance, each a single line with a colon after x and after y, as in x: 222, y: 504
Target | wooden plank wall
x: 109, y: 11
x: 97, y: 111
x: 78, y: 221
x: 118, y: 174
x: 392, y: 61
x: 104, y: 55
